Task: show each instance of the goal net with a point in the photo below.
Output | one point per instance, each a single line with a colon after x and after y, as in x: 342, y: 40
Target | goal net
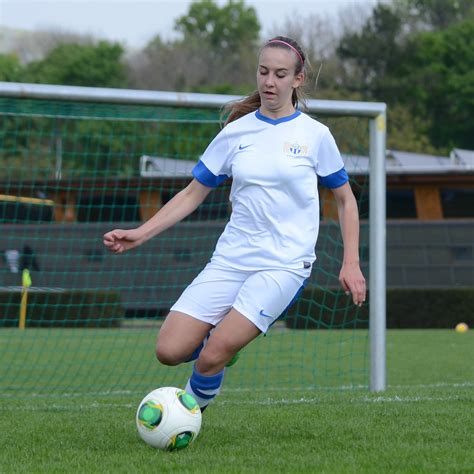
x: 72, y: 170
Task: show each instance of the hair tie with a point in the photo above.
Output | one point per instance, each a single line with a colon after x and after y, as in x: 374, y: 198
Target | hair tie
x: 289, y: 45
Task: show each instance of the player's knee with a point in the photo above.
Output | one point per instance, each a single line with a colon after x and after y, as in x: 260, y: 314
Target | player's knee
x: 213, y: 357
x: 166, y: 355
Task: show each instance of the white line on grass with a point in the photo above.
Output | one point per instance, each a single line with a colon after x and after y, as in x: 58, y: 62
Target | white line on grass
x: 303, y: 400
x: 267, y: 402
x: 351, y: 387
x: 246, y: 390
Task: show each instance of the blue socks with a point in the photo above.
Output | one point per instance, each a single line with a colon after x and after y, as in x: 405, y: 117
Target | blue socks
x: 204, y: 388
x: 198, y: 350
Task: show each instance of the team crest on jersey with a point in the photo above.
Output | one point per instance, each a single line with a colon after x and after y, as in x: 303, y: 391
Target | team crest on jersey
x: 295, y: 150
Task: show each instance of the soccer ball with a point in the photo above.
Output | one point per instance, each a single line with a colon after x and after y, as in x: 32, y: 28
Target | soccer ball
x: 461, y: 327
x: 168, y: 418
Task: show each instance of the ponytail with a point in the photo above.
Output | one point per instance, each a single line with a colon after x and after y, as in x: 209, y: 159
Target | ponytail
x: 237, y: 109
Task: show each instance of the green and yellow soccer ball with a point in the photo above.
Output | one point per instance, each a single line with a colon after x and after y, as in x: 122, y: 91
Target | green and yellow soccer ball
x: 168, y: 418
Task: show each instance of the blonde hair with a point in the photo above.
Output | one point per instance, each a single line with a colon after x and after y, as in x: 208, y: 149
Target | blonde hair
x: 235, y: 110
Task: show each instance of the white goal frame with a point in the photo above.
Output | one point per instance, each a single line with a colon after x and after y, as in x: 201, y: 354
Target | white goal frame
x: 374, y: 111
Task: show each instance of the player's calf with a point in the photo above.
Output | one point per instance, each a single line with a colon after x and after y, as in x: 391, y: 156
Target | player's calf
x: 204, y: 388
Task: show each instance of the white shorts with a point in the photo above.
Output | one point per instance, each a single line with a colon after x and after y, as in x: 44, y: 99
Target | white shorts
x: 260, y: 296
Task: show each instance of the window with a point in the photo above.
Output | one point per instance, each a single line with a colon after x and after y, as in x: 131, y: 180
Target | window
x: 457, y: 202
x: 16, y: 209
x: 401, y: 204
x: 108, y: 208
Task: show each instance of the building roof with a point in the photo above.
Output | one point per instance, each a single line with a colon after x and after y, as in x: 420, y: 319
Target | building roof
x: 463, y: 157
x: 159, y: 167
x: 397, y: 163
x: 403, y: 163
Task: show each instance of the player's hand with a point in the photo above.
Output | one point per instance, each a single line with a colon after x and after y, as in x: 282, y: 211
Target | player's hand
x: 119, y: 240
x: 353, y: 282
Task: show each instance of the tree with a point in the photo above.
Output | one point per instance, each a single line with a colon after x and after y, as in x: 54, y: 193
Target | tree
x: 97, y: 65
x: 434, y: 14
x: 409, y: 132
x: 225, y: 29
x: 373, y: 54
x: 216, y: 52
x: 10, y: 68
x: 30, y: 46
x: 418, y: 55
x: 437, y: 79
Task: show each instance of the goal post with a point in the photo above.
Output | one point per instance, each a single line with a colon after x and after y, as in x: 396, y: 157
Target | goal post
x: 122, y: 108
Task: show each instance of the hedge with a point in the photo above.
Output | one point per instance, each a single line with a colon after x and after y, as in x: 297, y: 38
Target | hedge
x: 64, y: 308
x: 417, y: 308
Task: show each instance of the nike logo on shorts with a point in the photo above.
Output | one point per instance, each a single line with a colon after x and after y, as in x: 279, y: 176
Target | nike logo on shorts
x: 243, y: 147
x: 265, y: 315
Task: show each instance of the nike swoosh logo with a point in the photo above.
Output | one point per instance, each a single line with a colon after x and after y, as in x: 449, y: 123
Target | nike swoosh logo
x: 266, y: 315
x: 243, y: 147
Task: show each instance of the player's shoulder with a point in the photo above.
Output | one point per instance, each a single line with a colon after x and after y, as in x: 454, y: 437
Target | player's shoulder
x: 240, y: 127
x: 313, y: 124
x: 242, y: 122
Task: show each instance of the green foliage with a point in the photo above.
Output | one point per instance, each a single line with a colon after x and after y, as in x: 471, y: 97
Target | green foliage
x: 427, y: 308
x: 217, y: 50
x: 375, y: 52
x: 424, y: 70
x: 419, y: 308
x: 225, y: 88
x: 437, y: 80
x: 32, y: 133
x: 80, y: 65
x: 68, y: 308
x: 416, y: 55
x: 409, y: 132
x: 226, y: 29
x: 10, y: 68
x: 434, y: 14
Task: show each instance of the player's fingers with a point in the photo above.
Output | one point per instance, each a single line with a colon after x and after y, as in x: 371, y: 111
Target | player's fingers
x: 117, y: 247
x: 359, y: 292
x: 107, y: 239
x: 110, y: 236
x: 351, y: 290
x: 116, y: 234
x: 363, y: 292
x: 345, y: 286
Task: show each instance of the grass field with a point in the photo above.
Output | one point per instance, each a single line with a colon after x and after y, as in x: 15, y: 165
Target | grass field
x: 423, y: 423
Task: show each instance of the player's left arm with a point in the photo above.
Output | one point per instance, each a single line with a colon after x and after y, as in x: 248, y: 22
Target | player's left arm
x: 350, y: 276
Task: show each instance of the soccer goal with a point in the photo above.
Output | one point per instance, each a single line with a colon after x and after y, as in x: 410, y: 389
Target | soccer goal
x: 77, y: 162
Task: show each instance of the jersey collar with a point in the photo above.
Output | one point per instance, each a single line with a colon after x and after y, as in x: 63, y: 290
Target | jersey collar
x: 271, y: 121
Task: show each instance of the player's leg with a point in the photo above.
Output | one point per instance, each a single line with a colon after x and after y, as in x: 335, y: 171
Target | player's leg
x: 262, y: 298
x: 232, y: 334
x: 179, y: 337
x: 229, y: 337
x: 201, y: 306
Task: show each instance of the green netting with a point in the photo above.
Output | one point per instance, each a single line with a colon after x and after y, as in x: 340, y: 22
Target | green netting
x: 72, y: 171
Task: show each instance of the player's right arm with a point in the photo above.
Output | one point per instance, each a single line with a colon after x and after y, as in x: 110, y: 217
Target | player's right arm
x: 175, y: 210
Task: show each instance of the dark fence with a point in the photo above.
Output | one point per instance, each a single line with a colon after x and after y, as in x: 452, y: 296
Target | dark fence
x: 72, y: 256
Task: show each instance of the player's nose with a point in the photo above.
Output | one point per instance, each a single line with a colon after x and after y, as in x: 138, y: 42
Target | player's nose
x: 269, y: 80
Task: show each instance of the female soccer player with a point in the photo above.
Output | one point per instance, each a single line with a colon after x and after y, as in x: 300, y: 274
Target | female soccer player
x: 276, y: 155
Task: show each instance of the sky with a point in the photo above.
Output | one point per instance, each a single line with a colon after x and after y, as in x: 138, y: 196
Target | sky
x: 134, y: 23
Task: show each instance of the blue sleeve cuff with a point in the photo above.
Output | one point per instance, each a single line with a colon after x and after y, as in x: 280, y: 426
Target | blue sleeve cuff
x: 334, y: 180
x: 204, y: 176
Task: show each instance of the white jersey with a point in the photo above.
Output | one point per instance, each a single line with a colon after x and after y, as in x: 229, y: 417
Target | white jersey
x: 275, y: 165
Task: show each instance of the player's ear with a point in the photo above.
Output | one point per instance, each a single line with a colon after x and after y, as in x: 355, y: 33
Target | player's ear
x: 298, y: 80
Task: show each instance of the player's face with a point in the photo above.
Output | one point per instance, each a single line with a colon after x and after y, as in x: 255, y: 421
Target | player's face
x: 276, y: 81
